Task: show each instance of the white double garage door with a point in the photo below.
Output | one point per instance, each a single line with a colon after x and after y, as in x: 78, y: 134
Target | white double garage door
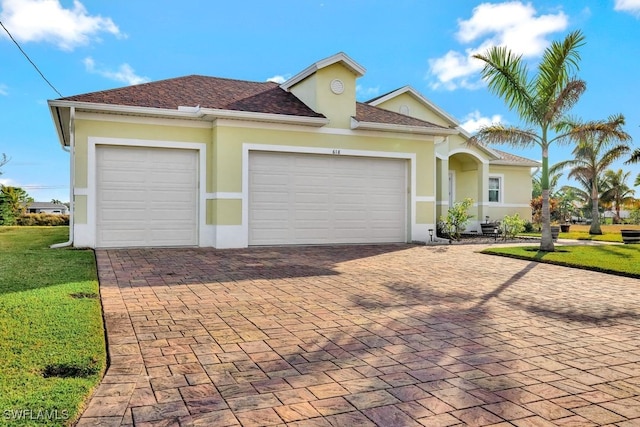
x: 148, y: 197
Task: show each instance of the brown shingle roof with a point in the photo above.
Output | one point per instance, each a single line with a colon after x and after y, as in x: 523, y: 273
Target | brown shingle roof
x: 507, y: 158
x: 229, y: 94
x: 369, y: 113
x: 207, y: 92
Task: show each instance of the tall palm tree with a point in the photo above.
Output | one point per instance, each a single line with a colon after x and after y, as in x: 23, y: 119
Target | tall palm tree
x: 542, y: 103
x: 592, y: 156
x: 616, y: 191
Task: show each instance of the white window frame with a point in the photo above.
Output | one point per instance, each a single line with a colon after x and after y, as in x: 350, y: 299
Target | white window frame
x: 500, y: 189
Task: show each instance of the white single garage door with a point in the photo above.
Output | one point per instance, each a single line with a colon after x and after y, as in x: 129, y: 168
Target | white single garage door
x: 146, y: 197
x: 320, y: 199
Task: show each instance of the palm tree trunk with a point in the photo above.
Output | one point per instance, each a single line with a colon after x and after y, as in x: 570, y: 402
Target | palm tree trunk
x: 546, y: 242
x: 595, y: 212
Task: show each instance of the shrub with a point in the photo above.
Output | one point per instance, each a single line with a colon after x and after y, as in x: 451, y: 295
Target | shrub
x: 42, y: 219
x: 513, y: 225
x: 457, y: 218
x: 634, y: 216
x: 528, y: 227
x: 536, y: 207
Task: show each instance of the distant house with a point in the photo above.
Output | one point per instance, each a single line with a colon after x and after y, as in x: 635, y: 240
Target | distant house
x: 206, y: 161
x: 50, y: 208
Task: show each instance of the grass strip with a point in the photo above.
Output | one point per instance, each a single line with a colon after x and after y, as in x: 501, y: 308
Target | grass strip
x: 623, y: 260
x: 51, y: 342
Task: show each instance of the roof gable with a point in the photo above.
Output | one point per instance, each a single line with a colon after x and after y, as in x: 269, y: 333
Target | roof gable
x: 340, y: 57
x: 381, y: 100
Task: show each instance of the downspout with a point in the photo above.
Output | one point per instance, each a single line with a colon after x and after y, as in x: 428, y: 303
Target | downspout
x: 71, y: 150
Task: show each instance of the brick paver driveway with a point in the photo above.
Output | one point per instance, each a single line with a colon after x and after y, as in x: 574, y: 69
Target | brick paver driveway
x: 393, y: 335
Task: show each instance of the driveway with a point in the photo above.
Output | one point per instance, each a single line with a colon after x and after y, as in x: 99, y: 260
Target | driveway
x: 391, y: 335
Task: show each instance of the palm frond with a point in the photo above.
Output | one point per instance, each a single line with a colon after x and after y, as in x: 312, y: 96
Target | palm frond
x: 559, y: 62
x: 499, y: 134
x: 604, y: 132
x: 506, y: 75
x: 635, y: 158
x: 565, y: 100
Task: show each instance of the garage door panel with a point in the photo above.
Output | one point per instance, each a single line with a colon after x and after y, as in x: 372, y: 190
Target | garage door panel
x: 326, y: 199
x: 146, y: 196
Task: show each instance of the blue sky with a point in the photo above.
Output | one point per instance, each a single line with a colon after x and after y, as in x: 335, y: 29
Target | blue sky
x: 90, y: 45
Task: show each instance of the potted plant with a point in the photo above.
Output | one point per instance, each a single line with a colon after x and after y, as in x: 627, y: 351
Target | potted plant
x: 555, y: 231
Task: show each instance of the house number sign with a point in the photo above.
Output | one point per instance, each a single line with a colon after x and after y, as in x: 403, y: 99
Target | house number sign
x: 336, y: 151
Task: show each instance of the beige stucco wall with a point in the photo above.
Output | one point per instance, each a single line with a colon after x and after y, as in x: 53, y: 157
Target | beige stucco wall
x: 315, y: 91
x: 224, y: 158
x: 229, y: 154
x: 517, y: 187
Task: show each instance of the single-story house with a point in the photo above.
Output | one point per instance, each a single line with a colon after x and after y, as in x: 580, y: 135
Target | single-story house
x: 206, y: 161
x: 46, y: 207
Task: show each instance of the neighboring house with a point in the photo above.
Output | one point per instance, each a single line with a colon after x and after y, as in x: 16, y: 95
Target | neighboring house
x: 44, y: 207
x: 204, y: 161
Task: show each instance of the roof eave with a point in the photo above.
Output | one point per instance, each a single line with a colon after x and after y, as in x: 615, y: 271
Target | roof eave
x: 193, y: 113
x: 531, y: 164
x: 386, y: 127
x: 57, y: 122
x: 214, y: 113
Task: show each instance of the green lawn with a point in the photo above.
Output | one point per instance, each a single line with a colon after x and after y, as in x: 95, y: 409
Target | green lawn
x: 52, y: 348
x: 610, y: 233
x: 615, y: 259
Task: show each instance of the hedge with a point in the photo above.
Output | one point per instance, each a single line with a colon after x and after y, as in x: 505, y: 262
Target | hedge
x: 43, y: 219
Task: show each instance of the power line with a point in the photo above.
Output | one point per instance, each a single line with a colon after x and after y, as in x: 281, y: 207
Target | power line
x: 29, y: 59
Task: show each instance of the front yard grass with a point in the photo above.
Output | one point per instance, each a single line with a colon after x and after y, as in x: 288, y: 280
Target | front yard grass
x: 610, y: 233
x: 623, y: 260
x: 52, y: 348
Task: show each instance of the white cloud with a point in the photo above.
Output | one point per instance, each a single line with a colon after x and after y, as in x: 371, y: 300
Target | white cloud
x: 367, y: 92
x: 8, y: 182
x: 474, y: 121
x: 279, y: 78
x: 4, y: 90
x: 454, y: 70
x: 49, y: 21
x: 631, y: 6
x: 513, y: 24
x: 124, y: 73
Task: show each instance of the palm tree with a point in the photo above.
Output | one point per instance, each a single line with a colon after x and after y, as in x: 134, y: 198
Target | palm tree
x: 616, y: 191
x: 637, y: 181
x: 582, y: 198
x: 591, y: 157
x: 541, y: 102
x: 635, y: 157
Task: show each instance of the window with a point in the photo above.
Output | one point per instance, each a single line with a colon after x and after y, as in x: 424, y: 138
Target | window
x: 495, y: 187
